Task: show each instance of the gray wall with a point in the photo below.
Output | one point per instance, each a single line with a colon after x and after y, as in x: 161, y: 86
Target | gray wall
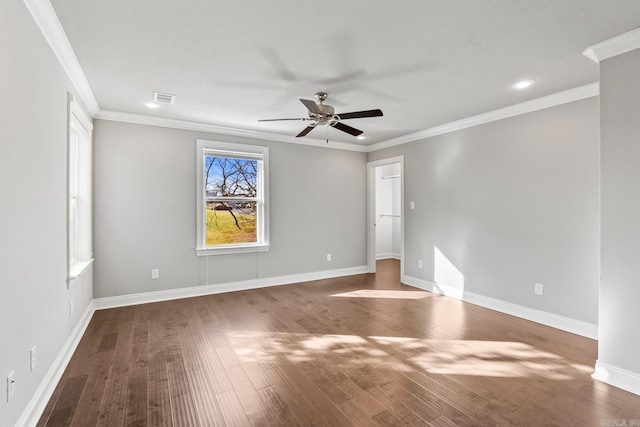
x: 510, y: 204
x: 34, y: 300
x: 619, y: 342
x: 145, y: 211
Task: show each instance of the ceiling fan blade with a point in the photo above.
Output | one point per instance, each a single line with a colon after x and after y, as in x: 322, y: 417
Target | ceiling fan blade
x: 346, y: 128
x: 311, y: 106
x: 359, y: 114
x: 305, y: 131
x: 278, y: 120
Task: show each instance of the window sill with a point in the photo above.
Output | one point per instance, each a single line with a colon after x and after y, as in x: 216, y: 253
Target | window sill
x: 78, y: 268
x: 232, y: 249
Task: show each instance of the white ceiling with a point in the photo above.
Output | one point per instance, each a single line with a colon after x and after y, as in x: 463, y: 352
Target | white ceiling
x: 424, y: 63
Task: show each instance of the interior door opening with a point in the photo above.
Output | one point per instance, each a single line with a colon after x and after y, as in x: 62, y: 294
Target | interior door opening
x: 385, y: 212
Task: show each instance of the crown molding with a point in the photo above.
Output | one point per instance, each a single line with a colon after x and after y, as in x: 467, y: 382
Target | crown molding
x: 141, y: 119
x: 45, y: 17
x: 614, y: 46
x: 559, y: 98
x: 47, y: 20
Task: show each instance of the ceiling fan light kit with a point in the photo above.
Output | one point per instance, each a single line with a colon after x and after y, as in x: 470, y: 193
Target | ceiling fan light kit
x: 324, y: 114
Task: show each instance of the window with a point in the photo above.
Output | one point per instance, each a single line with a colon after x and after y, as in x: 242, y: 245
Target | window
x: 79, y: 252
x: 232, y: 198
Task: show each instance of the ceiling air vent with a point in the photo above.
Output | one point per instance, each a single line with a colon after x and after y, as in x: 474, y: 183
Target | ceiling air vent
x: 163, y: 98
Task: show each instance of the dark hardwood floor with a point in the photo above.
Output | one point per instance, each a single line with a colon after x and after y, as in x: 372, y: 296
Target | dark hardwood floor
x: 359, y: 350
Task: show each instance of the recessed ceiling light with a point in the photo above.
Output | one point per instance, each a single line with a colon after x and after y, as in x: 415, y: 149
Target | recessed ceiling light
x: 151, y: 104
x: 523, y: 84
x: 360, y: 137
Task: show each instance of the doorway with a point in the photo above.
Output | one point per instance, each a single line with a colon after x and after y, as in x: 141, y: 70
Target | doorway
x: 385, y: 211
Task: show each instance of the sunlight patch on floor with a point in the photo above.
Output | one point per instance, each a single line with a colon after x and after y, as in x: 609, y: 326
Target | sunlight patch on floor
x: 502, y: 359
x: 328, y: 342
x: 486, y: 358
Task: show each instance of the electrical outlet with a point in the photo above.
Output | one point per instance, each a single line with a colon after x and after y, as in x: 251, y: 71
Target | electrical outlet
x: 419, y: 263
x: 155, y: 273
x: 328, y: 257
x: 71, y: 308
x: 11, y: 385
x: 539, y: 289
x: 32, y: 358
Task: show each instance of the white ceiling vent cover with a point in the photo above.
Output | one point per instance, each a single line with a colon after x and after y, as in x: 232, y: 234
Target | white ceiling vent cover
x: 163, y: 98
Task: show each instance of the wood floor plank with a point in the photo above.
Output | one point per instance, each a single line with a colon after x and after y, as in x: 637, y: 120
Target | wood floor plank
x: 396, y: 414
x: 231, y: 409
x: 113, y: 400
x: 66, y: 405
x: 227, y: 356
x: 158, y: 400
x: 289, y: 377
x: 204, y: 398
x: 183, y: 410
x: 261, y: 419
x: 135, y: 413
x: 356, y: 350
x: 90, y: 340
x: 206, y: 356
x: 362, y: 409
x: 442, y: 421
x: 277, y: 410
x: 245, y: 392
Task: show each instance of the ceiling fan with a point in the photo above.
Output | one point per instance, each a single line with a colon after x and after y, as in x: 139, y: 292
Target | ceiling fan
x: 324, y: 114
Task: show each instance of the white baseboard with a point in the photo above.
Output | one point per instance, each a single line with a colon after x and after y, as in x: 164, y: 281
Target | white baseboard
x: 617, y: 377
x: 389, y: 255
x: 548, y: 319
x: 40, y: 398
x: 195, y: 291
x: 433, y: 287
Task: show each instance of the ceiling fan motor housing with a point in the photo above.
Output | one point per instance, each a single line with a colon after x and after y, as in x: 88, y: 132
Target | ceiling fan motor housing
x: 328, y: 113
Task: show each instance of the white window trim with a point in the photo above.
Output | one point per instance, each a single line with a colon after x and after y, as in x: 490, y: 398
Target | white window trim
x: 76, y: 267
x: 239, y: 150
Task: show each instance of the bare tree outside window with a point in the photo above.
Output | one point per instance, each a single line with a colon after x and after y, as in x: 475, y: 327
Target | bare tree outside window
x: 231, y: 193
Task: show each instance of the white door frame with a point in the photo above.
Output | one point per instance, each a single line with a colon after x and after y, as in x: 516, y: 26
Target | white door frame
x: 371, y: 211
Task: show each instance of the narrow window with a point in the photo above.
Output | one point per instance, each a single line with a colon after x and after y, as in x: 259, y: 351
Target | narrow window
x: 232, y: 198
x: 79, y: 252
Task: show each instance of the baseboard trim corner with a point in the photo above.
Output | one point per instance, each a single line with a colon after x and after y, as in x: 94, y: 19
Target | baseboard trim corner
x: 617, y: 377
x: 567, y: 324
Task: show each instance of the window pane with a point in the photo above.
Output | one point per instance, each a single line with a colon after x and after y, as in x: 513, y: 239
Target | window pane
x: 73, y: 229
x: 230, y: 177
x: 231, y: 222
x: 73, y: 163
